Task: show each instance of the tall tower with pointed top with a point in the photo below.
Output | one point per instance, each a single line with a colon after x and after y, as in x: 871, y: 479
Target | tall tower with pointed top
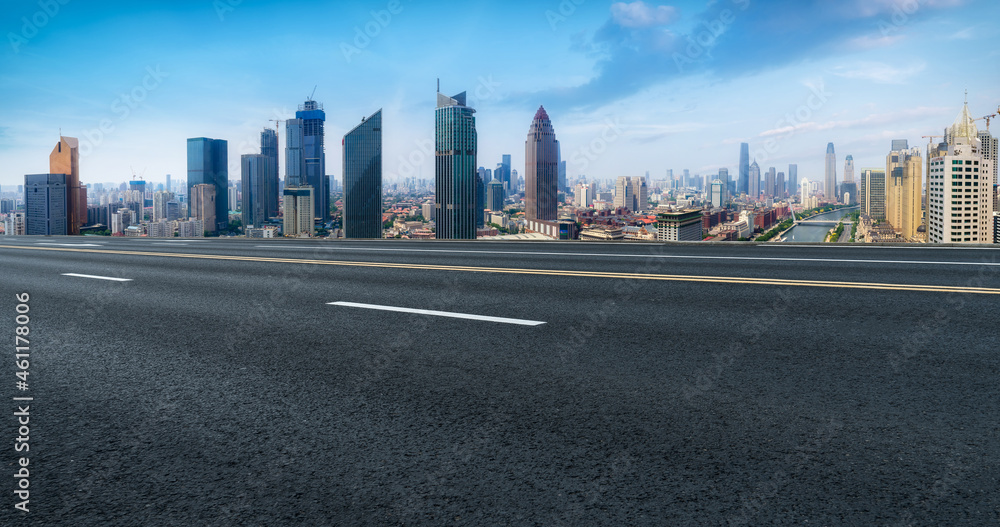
x: 541, y: 169
x: 455, y: 177
x: 830, y: 182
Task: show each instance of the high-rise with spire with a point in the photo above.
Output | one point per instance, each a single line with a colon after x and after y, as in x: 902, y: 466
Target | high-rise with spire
x: 455, y: 176
x: 753, y: 190
x: 830, y: 181
x: 960, y: 187
x: 541, y: 169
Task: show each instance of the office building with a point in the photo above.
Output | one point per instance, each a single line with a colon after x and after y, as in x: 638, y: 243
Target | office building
x: 269, y: 148
x: 14, y: 224
x: 65, y: 159
x: 769, y: 183
x: 960, y: 188
x: 793, y: 179
x: 427, y: 211
x: 204, y: 205
x: 313, y: 169
x: 904, y: 190
x: 754, y: 181
x: 298, y: 211
x: 495, y: 196
x: 160, y: 200
x: 684, y: 226
x: 830, y: 181
x: 989, y: 147
x: 631, y: 193
x: 455, y: 177
x: 849, y: 166
x: 173, y: 208
x: 46, y: 206
x: 743, y: 185
x: 717, y: 193
x: 363, y: 179
x: 504, y: 174
x: 541, y: 169
x: 563, y: 184
x: 872, y: 194
x: 208, y: 164
x: 255, y: 173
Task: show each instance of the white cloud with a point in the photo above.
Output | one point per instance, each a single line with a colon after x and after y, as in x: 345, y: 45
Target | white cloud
x: 879, y: 72
x: 637, y: 14
x: 873, y: 120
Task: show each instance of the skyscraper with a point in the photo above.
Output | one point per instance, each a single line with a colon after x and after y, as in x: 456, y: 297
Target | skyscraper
x: 455, y: 190
x: 904, y: 190
x: 313, y: 117
x: 769, y: 183
x: 960, y: 189
x: 204, y: 205
x: 793, y: 179
x: 541, y: 169
x: 208, y: 164
x: 753, y: 191
x: 631, y: 193
x: 256, y: 170
x: 160, y: 200
x: 269, y: 148
x: 503, y: 173
x: 295, y: 164
x: 563, y: 184
x: 873, y: 194
x: 298, y: 211
x: 495, y: 196
x: 830, y: 181
x: 363, y: 179
x: 743, y: 185
x: 990, y: 147
x: 779, y: 186
x: 849, y: 166
x: 46, y: 204
x: 65, y: 159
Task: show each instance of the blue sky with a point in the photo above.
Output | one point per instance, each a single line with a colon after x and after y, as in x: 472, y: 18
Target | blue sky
x: 630, y: 86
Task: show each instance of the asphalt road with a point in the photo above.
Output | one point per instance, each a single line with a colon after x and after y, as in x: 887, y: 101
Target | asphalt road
x: 669, y: 385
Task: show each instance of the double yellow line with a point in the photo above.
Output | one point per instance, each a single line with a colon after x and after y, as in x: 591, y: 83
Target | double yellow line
x: 549, y: 272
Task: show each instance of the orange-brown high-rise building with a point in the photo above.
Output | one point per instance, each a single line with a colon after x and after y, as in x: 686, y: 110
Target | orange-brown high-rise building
x: 65, y: 159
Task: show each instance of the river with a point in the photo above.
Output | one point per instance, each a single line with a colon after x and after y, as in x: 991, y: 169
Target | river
x: 817, y: 233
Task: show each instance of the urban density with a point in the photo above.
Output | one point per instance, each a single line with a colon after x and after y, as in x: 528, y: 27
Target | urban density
x: 558, y: 262
x: 945, y: 192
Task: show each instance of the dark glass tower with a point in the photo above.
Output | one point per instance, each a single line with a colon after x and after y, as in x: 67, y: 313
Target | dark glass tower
x: 46, y: 205
x: 455, y: 177
x: 743, y: 184
x: 503, y: 173
x: 257, y: 191
x: 269, y: 148
x: 541, y: 170
x: 363, y: 179
x: 208, y: 163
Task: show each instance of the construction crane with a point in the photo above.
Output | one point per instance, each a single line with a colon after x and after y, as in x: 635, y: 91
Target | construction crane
x: 987, y: 118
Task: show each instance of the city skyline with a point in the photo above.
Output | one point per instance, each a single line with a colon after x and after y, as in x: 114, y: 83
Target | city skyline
x: 847, y: 80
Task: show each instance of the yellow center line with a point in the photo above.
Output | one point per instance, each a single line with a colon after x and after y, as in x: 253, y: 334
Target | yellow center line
x: 546, y: 272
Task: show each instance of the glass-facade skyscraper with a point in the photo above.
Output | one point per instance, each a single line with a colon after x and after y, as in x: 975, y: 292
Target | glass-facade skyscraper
x: 743, y: 184
x: 257, y: 189
x: 208, y: 164
x: 363, y: 179
x: 541, y: 170
x: 455, y: 176
x: 313, y: 171
x: 269, y: 148
x: 46, y: 201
